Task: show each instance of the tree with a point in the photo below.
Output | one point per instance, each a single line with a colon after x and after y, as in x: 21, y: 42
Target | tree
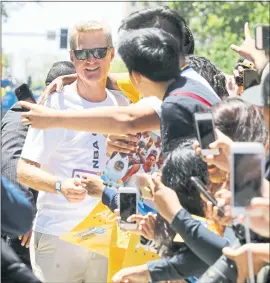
x: 217, y: 25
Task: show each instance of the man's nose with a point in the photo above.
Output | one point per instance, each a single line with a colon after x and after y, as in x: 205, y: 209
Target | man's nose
x: 91, y: 58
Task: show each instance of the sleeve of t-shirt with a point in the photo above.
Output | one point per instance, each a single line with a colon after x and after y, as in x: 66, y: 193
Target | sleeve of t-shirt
x: 203, y: 242
x: 41, y: 144
x: 178, y: 267
x: 153, y: 102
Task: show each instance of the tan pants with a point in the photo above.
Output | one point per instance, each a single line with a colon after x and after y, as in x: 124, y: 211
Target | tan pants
x: 56, y: 261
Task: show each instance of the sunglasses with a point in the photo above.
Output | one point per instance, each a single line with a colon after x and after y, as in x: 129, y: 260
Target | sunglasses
x: 98, y: 53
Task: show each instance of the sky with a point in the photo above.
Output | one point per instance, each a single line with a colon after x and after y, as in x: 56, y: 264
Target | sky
x: 35, y: 54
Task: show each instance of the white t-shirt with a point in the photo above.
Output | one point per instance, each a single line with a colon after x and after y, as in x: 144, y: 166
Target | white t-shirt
x: 67, y: 153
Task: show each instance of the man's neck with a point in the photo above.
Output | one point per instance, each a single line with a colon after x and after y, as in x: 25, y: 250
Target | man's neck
x: 159, y: 89
x: 94, y: 92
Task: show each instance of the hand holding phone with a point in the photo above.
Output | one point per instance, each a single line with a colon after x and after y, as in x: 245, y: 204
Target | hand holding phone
x: 202, y: 189
x: 205, y: 132
x: 128, y: 205
x: 246, y: 174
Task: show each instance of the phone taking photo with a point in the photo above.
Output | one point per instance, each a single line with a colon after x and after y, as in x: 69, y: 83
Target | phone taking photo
x: 205, y: 132
x: 199, y: 185
x: 262, y: 37
x: 128, y: 205
x: 250, y: 78
x: 247, y: 163
x: 23, y: 92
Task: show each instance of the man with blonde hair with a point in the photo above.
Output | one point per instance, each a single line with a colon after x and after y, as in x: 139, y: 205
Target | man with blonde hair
x: 55, y: 161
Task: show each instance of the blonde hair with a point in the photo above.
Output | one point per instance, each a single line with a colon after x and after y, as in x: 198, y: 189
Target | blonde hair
x: 89, y: 26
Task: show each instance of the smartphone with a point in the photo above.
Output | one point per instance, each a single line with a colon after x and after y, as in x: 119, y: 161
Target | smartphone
x: 203, y: 190
x: 23, y: 92
x: 247, y: 165
x: 262, y: 37
x: 128, y: 205
x: 250, y: 78
x: 205, y: 132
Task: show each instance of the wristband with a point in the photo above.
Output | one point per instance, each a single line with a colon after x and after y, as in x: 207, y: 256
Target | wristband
x: 58, y: 186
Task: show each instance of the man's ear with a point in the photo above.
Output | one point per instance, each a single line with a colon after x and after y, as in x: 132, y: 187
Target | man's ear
x: 112, y: 53
x: 137, y: 77
x: 71, y: 56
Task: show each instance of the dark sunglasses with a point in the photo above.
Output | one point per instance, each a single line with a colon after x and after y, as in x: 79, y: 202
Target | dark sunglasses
x: 98, y: 53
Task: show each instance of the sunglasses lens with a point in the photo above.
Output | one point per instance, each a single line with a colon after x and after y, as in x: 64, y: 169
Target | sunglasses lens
x: 99, y: 53
x: 81, y: 54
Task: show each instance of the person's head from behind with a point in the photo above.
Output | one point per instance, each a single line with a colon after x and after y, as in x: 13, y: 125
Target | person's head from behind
x: 151, y: 56
x: 180, y: 164
x: 210, y: 73
x: 241, y: 122
x: 58, y: 69
x: 91, y: 50
x: 165, y: 19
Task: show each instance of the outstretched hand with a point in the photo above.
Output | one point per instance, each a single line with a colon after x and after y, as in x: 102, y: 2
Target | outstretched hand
x: 38, y: 116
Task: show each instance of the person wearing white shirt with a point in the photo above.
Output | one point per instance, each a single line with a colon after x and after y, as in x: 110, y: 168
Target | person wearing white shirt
x: 54, y: 162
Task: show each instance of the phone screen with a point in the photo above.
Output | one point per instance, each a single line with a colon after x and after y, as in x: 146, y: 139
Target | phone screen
x: 250, y: 78
x: 127, y: 206
x: 23, y: 92
x: 206, y: 132
x: 247, y: 178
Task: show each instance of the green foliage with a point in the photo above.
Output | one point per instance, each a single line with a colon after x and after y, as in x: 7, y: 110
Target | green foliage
x: 118, y: 66
x: 217, y: 25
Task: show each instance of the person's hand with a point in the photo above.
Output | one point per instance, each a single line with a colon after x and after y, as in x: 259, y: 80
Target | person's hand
x: 221, y: 161
x: 223, y: 197
x: 121, y: 143
x: 258, y: 213
x: 136, y: 274
x: 25, y: 239
x: 248, y: 50
x: 165, y: 200
x: 145, y: 225
x: 39, y: 116
x: 93, y: 184
x: 56, y: 85
x: 145, y: 184
x: 72, y: 190
x: 240, y: 257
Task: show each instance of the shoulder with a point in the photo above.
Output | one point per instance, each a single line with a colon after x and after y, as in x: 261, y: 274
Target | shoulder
x: 153, y: 102
x: 119, y: 96
x: 57, y: 100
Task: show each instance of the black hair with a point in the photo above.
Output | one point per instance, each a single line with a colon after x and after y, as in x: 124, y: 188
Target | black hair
x: 266, y: 90
x: 151, y: 52
x: 181, y: 164
x: 210, y: 73
x: 60, y: 69
x: 240, y: 121
x: 162, y: 18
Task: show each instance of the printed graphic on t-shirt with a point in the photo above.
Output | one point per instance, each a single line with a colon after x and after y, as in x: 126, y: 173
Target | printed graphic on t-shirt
x: 78, y: 173
x: 121, y: 169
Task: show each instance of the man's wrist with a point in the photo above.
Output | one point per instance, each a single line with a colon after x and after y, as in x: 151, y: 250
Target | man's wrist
x: 174, y: 213
x: 58, y: 184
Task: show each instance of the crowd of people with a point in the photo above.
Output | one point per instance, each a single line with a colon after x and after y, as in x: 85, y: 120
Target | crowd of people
x: 94, y: 131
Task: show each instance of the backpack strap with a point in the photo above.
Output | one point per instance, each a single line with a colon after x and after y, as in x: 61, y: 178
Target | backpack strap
x: 192, y: 95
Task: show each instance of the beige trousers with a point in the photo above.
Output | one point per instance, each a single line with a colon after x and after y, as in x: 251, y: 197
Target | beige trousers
x: 56, y: 261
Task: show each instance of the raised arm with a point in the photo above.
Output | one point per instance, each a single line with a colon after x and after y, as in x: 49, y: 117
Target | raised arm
x: 104, y: 120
